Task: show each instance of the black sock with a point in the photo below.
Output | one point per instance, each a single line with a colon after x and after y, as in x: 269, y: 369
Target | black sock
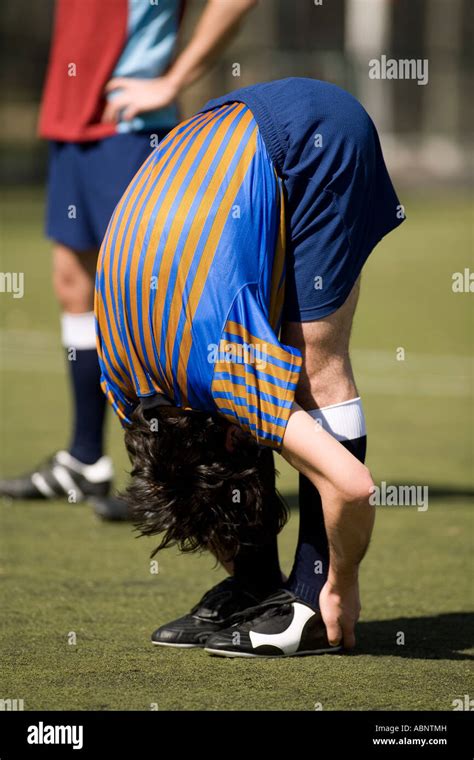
x: 310, y: 568
x: 89, y: 407
x: 258, y: 567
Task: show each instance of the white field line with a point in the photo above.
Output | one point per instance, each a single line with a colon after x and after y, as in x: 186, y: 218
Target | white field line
x: 426, y: 375
x: 377, y: 372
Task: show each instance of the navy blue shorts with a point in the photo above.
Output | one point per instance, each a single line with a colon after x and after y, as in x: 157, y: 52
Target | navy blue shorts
x: 339, y: 199
x: 347, y: 208
x: 86, y: 181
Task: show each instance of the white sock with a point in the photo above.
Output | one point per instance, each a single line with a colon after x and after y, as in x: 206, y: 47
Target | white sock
x: 345, y: 421
x: 78, y: 330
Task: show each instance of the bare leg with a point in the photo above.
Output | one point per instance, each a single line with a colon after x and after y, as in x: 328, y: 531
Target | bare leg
x: 326, y: 377
x: 73, y: 279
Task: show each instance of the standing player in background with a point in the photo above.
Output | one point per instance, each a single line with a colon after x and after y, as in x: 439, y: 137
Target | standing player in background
x: 110, y: 96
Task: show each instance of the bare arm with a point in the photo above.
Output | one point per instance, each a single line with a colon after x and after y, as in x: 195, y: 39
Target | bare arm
x: 217, y: 25
x: 218, y: 22
x: 345, y: 485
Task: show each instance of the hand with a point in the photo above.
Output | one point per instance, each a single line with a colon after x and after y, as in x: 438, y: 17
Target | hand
x: 137, y: 96
x: 340, y: 609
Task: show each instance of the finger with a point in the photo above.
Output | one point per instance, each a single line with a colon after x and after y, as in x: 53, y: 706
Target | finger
x: 107, y: 115
x: 114, y: 84
x: 111, y: 113
x: 334, y: 633
x: 115, y: 107
x: 349, y: 637
x: 129, y: 113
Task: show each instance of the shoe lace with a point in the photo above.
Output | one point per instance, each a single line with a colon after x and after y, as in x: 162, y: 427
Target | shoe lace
x: 217, y: 593
x: 46, y: 463
x: 268, y: 608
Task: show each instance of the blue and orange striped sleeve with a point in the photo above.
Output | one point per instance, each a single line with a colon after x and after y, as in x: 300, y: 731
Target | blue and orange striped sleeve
x: 255, y: 376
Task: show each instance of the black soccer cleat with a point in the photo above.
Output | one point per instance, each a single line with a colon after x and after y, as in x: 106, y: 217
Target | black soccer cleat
x: 62, y: 476
x: 281, y: 626
x: 211, y: 614
x: 110, y: 508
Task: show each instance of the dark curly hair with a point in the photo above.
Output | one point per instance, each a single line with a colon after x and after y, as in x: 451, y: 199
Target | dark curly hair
x: 188, y: 487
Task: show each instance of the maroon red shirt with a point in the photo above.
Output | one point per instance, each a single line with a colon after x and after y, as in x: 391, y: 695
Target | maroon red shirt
x: 93, y: 41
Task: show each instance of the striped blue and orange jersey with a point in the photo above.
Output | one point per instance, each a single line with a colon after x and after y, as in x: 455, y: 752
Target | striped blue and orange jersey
x: 191, y: 277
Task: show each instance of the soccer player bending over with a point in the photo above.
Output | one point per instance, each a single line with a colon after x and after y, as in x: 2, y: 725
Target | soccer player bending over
x: 226, y: 288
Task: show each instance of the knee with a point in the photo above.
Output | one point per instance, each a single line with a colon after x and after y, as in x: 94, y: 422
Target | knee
x: 73, y: 296
x: 73, y: 284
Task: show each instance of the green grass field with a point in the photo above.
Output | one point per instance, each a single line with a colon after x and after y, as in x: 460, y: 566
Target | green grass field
x: 64, y: 572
